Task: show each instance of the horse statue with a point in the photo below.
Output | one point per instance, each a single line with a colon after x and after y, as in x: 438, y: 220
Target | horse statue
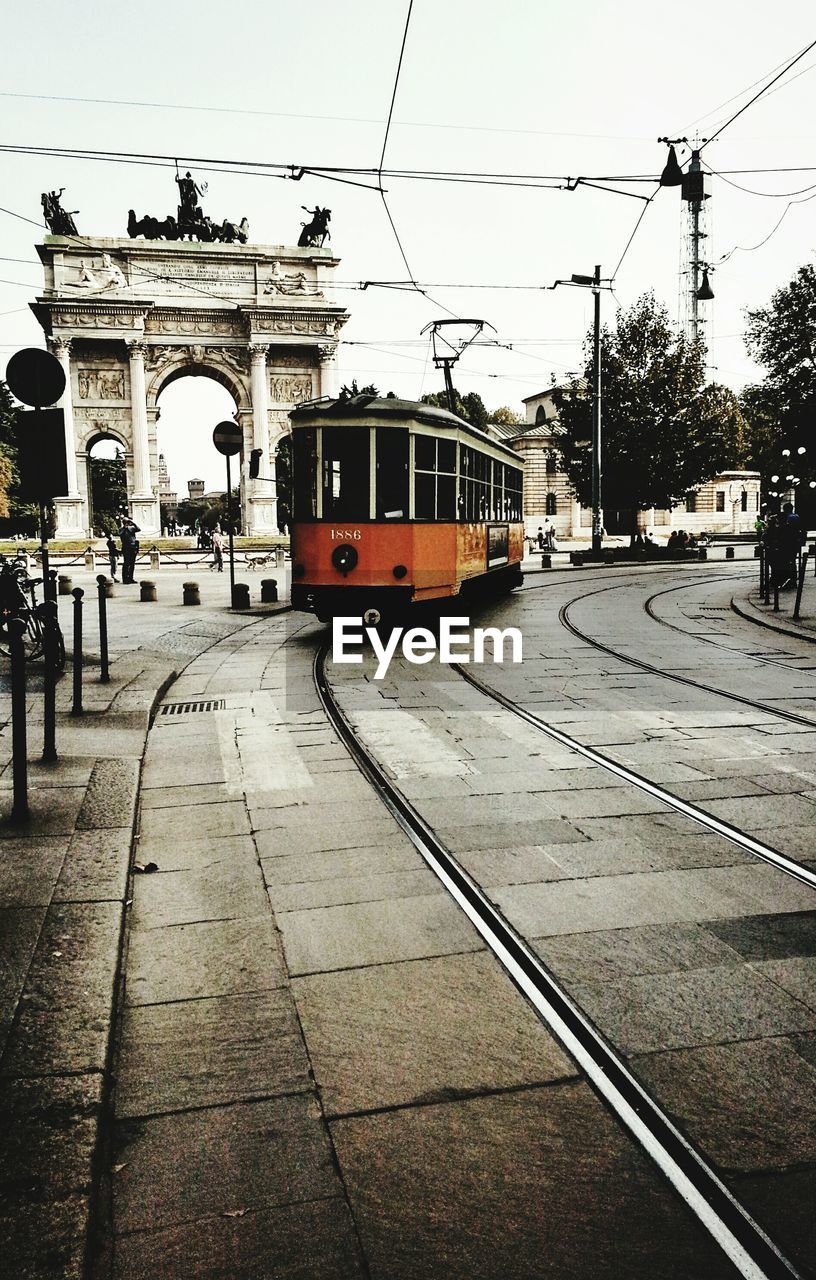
x: 315, y: 233
x: 228, y: 232
x: 152, y: 228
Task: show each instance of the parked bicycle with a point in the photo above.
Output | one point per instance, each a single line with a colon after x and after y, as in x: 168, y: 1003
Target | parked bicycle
x: 18, y: 599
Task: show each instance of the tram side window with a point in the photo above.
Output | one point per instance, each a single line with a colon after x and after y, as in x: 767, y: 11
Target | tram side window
x: 434, y: 478
x: 514, y: 493
x: 392, y: 473
x: 345, y: 479
x: 474, y: 485
x: 304, y: 466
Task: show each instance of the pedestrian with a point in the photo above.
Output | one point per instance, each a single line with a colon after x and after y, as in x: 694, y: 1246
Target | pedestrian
x: 792, y: 540
x: 759, y: 527
x: 540, y: 538
x: 130, y: 548
x: 113, y: 554
x: 218, y: 550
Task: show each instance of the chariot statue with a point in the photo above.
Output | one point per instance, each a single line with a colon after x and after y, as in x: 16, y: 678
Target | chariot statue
x: 315, y: 233
x: 58, y: 220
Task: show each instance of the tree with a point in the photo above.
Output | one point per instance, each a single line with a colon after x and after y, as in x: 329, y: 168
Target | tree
x: 506, y: 417
x: 17, y: 516
x: 663, y: 430
x: 470, y: 407
x: 782, y: 338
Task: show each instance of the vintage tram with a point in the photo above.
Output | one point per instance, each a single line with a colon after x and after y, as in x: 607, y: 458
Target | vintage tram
x: 397, y: 502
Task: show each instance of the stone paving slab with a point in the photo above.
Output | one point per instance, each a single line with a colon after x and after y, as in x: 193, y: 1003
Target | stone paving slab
x: 223, y: 890
x: 29, y: 870
x: 769, y: 937
x: 783, y: 1202
x: 177, y: 1168
x: 511, y: 1185
x: 307, y: 1241
x: 96, y: 866
x: 697, y: 1006
x: 48, y: 1129
x: 718, y: 1091
x: 202, y: 1053
x: 611, y: 955
x: 193, y: 961
x: 368, y: 933
x: 410, y: 1033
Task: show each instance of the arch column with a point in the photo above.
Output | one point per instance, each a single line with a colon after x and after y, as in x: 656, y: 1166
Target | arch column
x: 144, y: 504
x: 68, y: 507
x: 329, y: 372
x: 263, y: 501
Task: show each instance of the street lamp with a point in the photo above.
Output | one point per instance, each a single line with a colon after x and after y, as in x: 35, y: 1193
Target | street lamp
x: 594, y: 283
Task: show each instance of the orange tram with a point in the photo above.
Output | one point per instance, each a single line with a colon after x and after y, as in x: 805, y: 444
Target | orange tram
x: 396, y: 502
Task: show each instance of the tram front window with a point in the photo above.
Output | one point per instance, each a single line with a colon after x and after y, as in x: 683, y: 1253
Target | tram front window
x: 346, y: 473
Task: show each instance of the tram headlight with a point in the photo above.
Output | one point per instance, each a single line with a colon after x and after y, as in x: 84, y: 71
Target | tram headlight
x: 344, y: 558
x: 399, y: 571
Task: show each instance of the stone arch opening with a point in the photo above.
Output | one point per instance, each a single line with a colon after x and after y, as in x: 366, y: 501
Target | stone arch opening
x: 106, y: 482
x: 189, y: 404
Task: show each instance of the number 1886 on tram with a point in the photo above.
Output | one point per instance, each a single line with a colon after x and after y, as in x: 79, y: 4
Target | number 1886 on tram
x: 396, y: 502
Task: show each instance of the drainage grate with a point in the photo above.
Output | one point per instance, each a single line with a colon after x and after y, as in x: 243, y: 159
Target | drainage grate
x: 183, y: 708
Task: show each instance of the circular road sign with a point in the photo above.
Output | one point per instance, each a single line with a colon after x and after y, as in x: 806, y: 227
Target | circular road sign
x: 227, y: 438
x: 35, y: 377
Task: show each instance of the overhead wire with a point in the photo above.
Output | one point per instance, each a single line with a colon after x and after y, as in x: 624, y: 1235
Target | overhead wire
x: 758, y: 95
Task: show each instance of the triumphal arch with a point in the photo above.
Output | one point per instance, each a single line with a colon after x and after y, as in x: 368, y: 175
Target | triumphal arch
x: 128, y: 316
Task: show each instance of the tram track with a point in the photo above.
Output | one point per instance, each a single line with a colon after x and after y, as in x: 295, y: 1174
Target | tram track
x: 742, y: 1239
x: 792, y: 717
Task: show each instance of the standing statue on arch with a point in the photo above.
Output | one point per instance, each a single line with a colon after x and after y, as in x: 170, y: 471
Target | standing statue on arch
x: 315, y: 233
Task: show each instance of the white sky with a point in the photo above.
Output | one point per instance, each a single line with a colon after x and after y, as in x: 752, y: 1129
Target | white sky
x: 581, y: 88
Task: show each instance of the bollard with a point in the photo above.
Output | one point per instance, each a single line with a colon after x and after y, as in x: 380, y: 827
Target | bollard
x: 90, y: 559
x: 102, y: 585
x: 147, y: 591
x: 155, y: 559
x: 269, y: 590
x: 576, y: 557
x: 192, y: 593
x: 760, y: 551
x: 64, y: 584
x: 702, y: 554
x: 776, y: 594
x: 19, y: 756
x: 240, y: 595
x: 47, y: 612
x: 800, y: 582
x: 609, y: 556
x: 729, y: 553
x: 50, y: 586
x: 546, y: 562
x: 757, y: 553
x: 76, y: 709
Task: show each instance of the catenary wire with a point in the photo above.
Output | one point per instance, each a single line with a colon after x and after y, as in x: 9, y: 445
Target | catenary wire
x: 758, y: 95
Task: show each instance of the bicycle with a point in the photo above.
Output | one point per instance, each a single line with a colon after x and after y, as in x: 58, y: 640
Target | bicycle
x: 18, y: 600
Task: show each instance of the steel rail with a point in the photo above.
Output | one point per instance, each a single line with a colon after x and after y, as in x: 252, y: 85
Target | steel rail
x: 708, y: 820
x: 741, y: 1238
x: 564, y: 619
x: 753, y: 657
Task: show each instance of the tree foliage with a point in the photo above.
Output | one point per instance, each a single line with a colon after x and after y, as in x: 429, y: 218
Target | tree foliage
x: 506, y: 417
x: 470, y: 407
x: 782, y: 338
x: 108, y: 492
x: 663, y: 430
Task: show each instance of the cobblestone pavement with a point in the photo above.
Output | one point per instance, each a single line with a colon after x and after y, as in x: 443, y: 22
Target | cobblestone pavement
x: 319, y: 1069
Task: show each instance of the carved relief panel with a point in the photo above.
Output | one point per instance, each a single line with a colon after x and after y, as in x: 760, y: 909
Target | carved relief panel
x: 101, y: 384
x: 290, y: 387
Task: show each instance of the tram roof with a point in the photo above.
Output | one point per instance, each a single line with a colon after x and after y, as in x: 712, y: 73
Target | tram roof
x: 391, y: 407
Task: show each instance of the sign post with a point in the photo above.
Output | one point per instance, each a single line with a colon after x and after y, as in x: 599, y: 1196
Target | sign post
x: 37, y: 378
x: 227, y: 438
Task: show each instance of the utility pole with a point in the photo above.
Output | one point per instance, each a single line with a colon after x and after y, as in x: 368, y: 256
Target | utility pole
x: 596, y: 421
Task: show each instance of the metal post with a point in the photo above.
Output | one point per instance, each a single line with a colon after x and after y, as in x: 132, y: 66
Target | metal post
x: 596, y: 421
x: 766, y: 591
x: 50, y: 585
x: 229, y: 522
x: 48, y: 616
x: 77, y: 593
x: 800, y: 582
x: 104, y: 669
x: 46, y: 572
x: 19, y: 757
x: 761, y: 569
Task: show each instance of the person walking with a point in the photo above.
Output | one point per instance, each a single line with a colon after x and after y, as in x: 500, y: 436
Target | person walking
x: 113, y: 554
x: 218, y: 549
x: 793, y: 538
x: 130, y: 548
